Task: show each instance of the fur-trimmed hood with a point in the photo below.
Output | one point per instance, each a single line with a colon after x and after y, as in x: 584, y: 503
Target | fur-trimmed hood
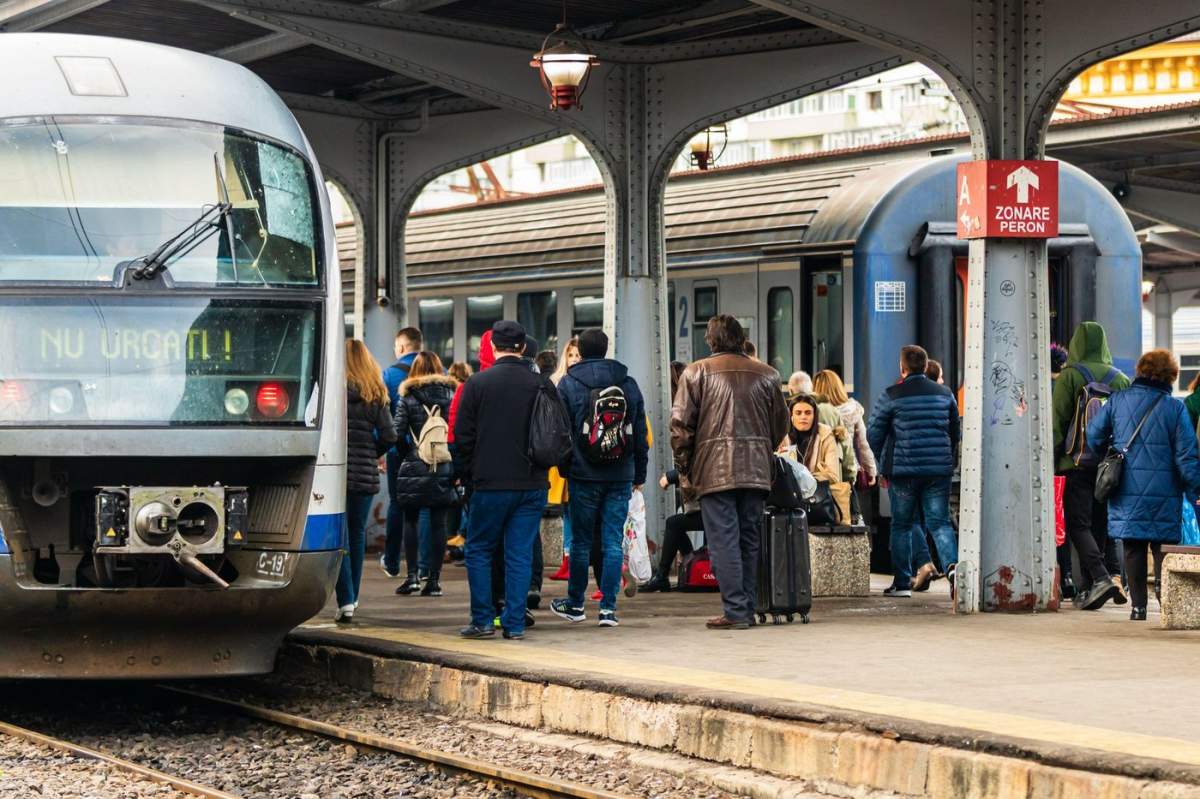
x: 412, y: 383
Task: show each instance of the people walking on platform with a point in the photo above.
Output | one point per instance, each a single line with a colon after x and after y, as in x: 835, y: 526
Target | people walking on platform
x: 727, y: 418
x: 1161, y: 466
x: 608, y: 417
x: 407, y: 344
x: 507, y: 492
x: 558, y: 484
x: 913, y: 432
x: 1085, y: 384
x: 829, y: 385
x: 369, y: 434
x: 425, y: 477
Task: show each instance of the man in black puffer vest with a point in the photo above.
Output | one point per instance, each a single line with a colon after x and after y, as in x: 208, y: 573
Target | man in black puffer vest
x: 508, y: 493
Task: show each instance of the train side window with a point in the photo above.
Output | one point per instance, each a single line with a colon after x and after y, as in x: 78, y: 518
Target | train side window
x: 780, y: 322
x: 704, y: 307
x: 589, y: 312
x: 537, y: 312
x: 826, y: 315
x: 482, y: 313
x: 436, y: 320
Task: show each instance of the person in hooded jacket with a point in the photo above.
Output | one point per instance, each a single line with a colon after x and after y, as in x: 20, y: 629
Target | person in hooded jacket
x: 418, y: 485
x: 1086, y: 518
x: 1161, y: 466
x: 369, y: 434
x: 600, y: 489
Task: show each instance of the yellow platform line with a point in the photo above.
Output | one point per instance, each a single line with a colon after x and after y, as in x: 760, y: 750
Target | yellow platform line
x: 1005, y: 724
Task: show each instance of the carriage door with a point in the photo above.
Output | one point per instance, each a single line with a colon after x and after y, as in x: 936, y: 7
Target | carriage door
x: 824, y: 341
x: 778, y: 308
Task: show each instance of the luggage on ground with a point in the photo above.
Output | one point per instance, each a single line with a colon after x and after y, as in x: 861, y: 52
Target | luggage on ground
x: 696, y: 572
x: 784, y: 571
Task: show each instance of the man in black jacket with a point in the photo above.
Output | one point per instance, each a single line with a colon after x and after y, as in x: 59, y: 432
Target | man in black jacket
x: 508, y: 493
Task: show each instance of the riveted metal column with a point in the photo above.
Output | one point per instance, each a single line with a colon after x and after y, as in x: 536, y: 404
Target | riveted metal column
x: 635, y: 286
x: 1006, y: 557
x: 1164, y: 316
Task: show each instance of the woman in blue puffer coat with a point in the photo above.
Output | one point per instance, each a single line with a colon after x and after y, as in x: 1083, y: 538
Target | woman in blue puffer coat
x: 1160, y: 466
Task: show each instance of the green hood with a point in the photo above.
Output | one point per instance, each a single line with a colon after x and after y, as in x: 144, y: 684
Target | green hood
x: 1089, y: 345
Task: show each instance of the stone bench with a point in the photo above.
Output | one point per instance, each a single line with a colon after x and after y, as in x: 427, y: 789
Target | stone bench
x: 552, y: 536
x: 841, y: 560
x: 1181, y: 588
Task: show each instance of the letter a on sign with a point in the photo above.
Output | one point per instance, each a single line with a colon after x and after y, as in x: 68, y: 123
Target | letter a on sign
x: 1007, y: 199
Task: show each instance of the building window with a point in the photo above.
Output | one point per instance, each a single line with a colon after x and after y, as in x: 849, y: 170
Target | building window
x: 851, y: 101
x: 780, y: 330
x: 435, y: 317
x: 705, y: 305
x: 589, y: 312
x: 537, y: 311
x: 482, y: 313
x: 875, y: 101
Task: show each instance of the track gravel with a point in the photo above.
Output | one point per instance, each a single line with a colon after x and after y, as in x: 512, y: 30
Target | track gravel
x: 32, y: 770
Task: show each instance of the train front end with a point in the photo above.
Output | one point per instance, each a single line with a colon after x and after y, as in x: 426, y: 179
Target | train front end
x: 172, y: 422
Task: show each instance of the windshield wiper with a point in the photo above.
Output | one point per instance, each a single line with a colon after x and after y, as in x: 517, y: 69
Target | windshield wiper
x: 209, y: 222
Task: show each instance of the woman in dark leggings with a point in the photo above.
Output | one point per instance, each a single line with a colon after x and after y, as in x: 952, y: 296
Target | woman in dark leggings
x: 676, y: 541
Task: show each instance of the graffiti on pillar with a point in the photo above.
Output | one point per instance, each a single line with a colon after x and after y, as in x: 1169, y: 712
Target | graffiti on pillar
x: 1008, y: 386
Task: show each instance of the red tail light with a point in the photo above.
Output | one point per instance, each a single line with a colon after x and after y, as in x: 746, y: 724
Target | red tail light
x: 13, y: 393
x: 272, y: 400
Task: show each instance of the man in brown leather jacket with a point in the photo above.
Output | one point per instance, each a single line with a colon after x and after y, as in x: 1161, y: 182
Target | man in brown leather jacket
x: 729, y: 416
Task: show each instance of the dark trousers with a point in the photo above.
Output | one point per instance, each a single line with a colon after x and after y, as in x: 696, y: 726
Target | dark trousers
x: 732, y: 531
x: 1135, y: 569
x: 675, y: 539
x: 1087, y: 525
x: 431, y: 546
x: 395, y: 522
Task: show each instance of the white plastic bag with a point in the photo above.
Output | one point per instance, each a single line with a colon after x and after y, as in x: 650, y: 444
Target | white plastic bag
x: 637, y: 554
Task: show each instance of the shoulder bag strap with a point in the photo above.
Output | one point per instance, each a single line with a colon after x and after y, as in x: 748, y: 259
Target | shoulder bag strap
x: 1145, y: 416
x: 1083, y: 370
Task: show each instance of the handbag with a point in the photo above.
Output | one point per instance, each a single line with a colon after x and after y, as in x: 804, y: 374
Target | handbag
x: 821, y: 507
x: 785, y: 493
x: 1108, y: 473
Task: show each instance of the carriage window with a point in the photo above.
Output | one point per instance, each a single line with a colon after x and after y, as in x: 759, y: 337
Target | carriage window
x: 436, y: 319
x: 589, y: 312
x: 537, y: 312
x: 482, y: 313
x: 826, y: 332
x: 705, y: 304
x: 780, y: 337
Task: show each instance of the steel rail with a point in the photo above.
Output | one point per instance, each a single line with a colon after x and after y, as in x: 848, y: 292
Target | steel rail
x: 178, y: 783
x: 527, y: 783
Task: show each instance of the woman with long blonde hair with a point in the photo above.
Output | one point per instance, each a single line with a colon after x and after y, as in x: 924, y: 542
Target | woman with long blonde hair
x: 369, y: 434
x: 558, y: 485
x: 829, y: 385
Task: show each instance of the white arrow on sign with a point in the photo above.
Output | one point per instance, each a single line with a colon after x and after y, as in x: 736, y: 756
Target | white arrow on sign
x: 966, y: 220
x: 1024, y: 179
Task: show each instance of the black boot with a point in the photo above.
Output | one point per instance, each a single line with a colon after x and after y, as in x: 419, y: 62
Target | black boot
x: 1137, y: 614
x: 410, y: 586
x: 432, y: 587
x: 659, y: 582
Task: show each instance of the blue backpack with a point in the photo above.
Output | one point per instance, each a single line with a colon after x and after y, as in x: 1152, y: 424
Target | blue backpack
x: 1088, y: 402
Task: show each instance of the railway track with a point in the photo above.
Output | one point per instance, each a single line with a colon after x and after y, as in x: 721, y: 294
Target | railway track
x: 523, y: 782
x: 127, y: 766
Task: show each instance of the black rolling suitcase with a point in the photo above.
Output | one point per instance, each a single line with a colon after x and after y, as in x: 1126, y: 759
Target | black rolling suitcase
x: 784, y: 571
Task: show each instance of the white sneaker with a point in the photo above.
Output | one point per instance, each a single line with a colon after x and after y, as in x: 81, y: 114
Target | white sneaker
x: 344, y: 614
x: 897, y: 592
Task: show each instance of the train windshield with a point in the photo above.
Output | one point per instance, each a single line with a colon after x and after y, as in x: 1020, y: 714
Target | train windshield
x: 125, y: 359
x: 77, y: 198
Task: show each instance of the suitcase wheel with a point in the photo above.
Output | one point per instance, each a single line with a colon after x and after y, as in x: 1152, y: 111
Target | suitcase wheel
x: 791, y: 618
x: 762, y: 618
x: 776, y: 619
x: 804, y: 618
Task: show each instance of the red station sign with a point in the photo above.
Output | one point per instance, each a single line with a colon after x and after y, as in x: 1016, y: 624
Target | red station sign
x: 1007, y: 199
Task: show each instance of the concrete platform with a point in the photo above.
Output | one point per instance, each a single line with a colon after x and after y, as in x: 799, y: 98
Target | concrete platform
x: 1084, y: 690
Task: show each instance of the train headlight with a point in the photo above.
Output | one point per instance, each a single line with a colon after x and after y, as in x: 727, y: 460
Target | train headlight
x: 237, y: 401
x: 61, y: 400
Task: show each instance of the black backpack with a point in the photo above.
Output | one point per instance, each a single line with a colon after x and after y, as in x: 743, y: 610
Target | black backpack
x: 785, y: 488
x: 549, y: 429
x: 606, y: 430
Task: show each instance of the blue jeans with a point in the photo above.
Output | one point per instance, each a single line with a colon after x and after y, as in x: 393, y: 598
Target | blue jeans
x: 610, y: 502
x: 567, y: 533
x: 395, y: 519
x: 930, y: 495
x: 358, y: 510
x: 508, y: 519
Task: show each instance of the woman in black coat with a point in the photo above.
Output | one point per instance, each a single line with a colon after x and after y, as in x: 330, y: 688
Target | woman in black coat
x: 369, y: 434
x: 421, y: 484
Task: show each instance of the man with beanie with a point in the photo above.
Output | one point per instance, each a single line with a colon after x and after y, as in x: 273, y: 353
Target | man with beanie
x: 507, y: 492
x: 608, y: 416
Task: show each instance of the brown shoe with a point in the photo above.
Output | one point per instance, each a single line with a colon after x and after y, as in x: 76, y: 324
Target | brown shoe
x: 923, y: 577
x: 725, y: 623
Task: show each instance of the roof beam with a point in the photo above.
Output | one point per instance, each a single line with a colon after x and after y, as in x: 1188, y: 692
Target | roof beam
x: 1184, y: 158
x: 18, y: 16
x: 274, y: 44
x: 702, y: 14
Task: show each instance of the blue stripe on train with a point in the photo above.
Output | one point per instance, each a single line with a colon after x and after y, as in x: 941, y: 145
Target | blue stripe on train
x: 3, y: 543
x: 324, y: 531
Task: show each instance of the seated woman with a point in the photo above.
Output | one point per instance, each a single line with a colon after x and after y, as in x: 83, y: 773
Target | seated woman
x: 675, y: 537
x: 813, y: 444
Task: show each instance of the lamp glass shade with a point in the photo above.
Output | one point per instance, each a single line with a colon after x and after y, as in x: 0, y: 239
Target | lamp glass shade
x: 565, y: 69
